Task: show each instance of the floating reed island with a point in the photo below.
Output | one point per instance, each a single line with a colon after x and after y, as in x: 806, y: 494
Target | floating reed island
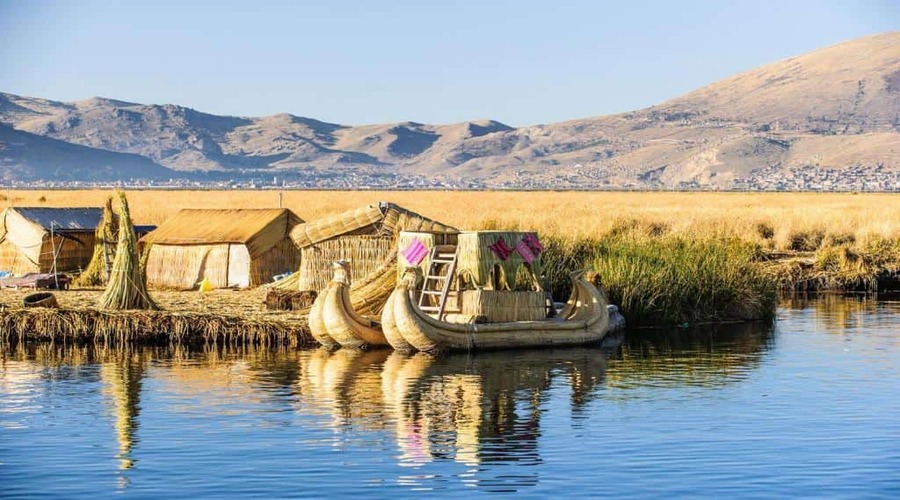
x: 125, y: 312
x: 222, y: 317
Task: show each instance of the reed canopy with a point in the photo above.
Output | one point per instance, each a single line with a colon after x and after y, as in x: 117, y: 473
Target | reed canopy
x: 483, y: 268
x: 366, y: 236
x: 227, y: 247
x: 43, y: 240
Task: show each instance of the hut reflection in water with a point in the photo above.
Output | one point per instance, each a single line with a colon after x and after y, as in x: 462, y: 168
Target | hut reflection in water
x: 481, y: 410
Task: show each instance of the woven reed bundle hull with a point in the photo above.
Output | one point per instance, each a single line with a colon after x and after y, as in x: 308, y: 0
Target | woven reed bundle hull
x: 342, y: 323
x: 339, y: 321
x: 316, y: 322
x: 585, y: 320
x: 389, y: 327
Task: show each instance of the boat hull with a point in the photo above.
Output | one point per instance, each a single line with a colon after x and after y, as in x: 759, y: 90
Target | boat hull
x: 584, y: 320
x: 337, y: 320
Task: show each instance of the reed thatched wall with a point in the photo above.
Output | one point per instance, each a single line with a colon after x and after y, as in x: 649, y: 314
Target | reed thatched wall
x: 74, y: 252
x: 183, y: 266
x: 26, y: 245
x: 429, y: 240
x: 283, y: 257
x: 227, y: 247
x: 366, y: 236
x: 17, y: 261
x: 499, y: 306
x: 365, y: 253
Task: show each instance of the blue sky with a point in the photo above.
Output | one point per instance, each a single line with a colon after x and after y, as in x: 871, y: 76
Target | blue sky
x: 522, y: 62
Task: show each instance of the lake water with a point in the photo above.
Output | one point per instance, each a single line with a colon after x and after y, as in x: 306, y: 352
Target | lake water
x: 807, y: 407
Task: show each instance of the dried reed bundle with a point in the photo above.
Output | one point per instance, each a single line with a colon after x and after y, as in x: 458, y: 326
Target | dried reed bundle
x: 290, y: 282
x: 127, y: 287
x: 106, y: 236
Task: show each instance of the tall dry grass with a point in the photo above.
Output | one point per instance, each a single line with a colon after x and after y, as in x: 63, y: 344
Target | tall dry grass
x: 779, y: 221
x: 839, y: 240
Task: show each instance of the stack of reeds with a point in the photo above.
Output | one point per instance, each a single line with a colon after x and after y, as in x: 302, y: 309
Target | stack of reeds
x: 106, y: 237
x: 127, y: 287
x: 289, y: 300
x: 500, y: 306
x: 289, y: 282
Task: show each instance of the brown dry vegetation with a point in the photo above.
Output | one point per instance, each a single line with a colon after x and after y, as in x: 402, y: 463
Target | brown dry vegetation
x: 777, y: 221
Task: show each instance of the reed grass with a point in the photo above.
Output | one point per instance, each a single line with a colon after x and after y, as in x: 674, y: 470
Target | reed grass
x: 668, y: 280
x: 678, y: 280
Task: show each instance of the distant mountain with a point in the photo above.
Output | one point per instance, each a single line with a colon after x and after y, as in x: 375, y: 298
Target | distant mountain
x: 835, y: 108
x: 30, y: 157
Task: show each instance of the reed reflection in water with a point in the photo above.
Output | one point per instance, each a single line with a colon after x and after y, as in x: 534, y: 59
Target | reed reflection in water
x: 484, y: 412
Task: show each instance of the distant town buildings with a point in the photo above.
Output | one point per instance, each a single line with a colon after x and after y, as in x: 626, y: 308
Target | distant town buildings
x: 575, y: 177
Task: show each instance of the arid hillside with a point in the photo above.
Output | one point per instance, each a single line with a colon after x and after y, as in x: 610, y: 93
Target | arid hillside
x: 827, y: 118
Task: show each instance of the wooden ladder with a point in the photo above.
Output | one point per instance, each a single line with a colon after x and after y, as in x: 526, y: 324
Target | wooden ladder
x: 441, y: 270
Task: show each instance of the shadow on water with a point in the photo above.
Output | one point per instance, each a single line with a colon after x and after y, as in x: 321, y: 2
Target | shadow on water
x: 704, y: 356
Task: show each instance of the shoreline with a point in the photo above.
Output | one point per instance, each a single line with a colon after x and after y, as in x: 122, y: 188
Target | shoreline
x: 224, y: 317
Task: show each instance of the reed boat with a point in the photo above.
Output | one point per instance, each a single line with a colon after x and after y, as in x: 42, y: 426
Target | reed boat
x: 584, y: 319
x: 333, y: 321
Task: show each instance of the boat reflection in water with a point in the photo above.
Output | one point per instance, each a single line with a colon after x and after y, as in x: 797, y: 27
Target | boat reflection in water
x: 344, y: 385
x: 460, y: 416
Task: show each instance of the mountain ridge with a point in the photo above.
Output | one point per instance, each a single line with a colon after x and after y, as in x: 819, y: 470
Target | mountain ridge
x: 833, y: 108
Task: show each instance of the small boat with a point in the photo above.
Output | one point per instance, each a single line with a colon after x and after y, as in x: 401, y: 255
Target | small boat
x: 333, y: 321
x: 585, y: 319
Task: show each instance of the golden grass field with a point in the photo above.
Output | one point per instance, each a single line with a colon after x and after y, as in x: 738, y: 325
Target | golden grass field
x: 842, y: 217
x: 665, y: 258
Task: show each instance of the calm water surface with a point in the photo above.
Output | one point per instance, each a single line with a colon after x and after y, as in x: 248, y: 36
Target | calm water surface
x: 807, y: 407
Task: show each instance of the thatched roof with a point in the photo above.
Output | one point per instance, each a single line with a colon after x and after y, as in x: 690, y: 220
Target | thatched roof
x: 258, y: 229
x: 376, y: 219
x: 62, y: 219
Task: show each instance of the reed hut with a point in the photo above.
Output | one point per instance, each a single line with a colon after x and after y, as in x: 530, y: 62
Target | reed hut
x: 44, y: 240
x: 367, y: 237
x: 239, y: 247
x: 498, y: 283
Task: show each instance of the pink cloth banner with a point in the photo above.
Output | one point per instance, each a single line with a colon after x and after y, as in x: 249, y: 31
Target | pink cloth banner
x: 525, y: 251
x: 415, y: 252
x: 501, y: 249
x: 533, y: 243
